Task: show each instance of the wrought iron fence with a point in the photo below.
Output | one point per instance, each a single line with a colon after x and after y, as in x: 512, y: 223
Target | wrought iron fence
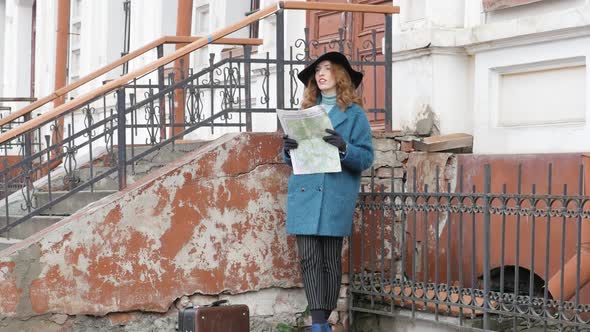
x: 512, y: 261
x: 229, y: 94
x: 17, y: 148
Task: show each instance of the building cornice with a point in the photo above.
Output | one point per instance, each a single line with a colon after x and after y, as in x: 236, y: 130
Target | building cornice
x: 428, y: 50
x: 529, y: 39
x: 573, y: 23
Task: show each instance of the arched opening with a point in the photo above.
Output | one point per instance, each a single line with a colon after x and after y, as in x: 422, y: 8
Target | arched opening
x: 511, y: 280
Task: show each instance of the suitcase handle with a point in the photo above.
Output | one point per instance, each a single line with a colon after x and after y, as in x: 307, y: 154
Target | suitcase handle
x: 218, y: 303
x: 213, y: 304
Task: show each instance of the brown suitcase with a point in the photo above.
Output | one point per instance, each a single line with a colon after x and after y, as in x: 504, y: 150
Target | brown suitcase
x: 215, y: 318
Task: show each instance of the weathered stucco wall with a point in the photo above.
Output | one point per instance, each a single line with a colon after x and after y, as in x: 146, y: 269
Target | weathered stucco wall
x: 209, y: 223
x: 206, y: 227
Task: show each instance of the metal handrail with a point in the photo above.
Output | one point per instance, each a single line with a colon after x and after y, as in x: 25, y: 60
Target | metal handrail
x: 36, y: 104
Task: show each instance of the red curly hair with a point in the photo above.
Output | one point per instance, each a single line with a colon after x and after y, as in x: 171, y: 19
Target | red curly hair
x: 345, y: 92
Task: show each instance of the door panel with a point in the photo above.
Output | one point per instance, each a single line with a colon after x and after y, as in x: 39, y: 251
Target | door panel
x: 359, y: 44
x: 324, y: 27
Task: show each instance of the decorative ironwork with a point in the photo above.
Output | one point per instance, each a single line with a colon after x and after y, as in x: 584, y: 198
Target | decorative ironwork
x: 28, y: 191
x: 231, y: 92
x: 293, y: 72
x: 71, y: 178
x: 152, y: 118
x: 195, y: 105
x: 88, y: 120
x: 371, y: 46
x: 415, y: 280
x: 109, y: 128
x: 344, y: 45
x: 264, y: 99
x: 306, y: 44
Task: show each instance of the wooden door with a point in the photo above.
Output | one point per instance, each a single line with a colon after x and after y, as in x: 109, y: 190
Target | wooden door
x: 359, y: 43
x: 324, y: 29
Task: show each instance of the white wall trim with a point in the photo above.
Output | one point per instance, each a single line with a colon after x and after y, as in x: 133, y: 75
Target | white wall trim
x: 523, y: 40
x: 561, y: 25
x: 555, y: 136
x: 412, y: 54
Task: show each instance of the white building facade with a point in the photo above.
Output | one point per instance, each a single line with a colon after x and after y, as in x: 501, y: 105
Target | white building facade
x: 515, y: 78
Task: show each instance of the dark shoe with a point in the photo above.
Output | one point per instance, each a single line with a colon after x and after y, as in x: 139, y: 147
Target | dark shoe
x: 317, y: 328
x: 321, y: 327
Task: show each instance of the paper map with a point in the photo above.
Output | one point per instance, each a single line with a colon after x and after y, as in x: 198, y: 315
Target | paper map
x: 307, y: 127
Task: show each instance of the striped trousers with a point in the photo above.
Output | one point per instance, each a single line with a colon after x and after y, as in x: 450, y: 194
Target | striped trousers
x: 321, y: 269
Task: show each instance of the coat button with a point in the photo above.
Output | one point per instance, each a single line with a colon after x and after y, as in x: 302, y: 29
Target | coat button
x: 319, y: 188
x: 302, y: 188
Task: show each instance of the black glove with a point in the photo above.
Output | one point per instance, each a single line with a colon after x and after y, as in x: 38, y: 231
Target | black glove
x: 335, y: 139
x: 289, y: 143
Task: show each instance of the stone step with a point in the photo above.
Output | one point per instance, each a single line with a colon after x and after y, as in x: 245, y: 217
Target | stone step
x: 29, y: 227
x: 147, y: 164
x: 110, y: 182
x: 71, y: 204
x: 164, y: 155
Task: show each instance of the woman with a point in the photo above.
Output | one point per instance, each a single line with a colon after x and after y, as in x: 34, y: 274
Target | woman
x: 320, y: 206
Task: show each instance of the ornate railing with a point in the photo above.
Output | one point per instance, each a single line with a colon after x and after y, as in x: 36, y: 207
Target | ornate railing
x: 12, y: 152
x: 512, y: 260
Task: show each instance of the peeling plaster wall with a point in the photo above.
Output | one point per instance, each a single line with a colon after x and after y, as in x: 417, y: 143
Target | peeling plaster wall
x: 208, y: 226
x: 209, y: 223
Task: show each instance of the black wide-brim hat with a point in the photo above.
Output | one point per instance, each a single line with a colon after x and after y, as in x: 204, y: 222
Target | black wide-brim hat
x: 334, y: 57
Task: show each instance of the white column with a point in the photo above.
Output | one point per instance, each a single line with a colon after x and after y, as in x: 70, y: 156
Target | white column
x: 150, y: 20
x: 167, y: 17
x: 114, y: 36
x: 236, y: 11
x: 101, y: 41
x: 46, y: 25
x: 17, y: 43
x: 2, y: 23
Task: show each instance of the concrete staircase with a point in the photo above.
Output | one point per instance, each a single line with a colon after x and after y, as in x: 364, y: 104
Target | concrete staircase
x: 103, y: 188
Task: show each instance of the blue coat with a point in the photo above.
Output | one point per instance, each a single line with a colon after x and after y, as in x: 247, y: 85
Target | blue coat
x: 324, y: 203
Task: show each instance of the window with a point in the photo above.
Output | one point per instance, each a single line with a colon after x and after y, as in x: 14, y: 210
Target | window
x: 75, y: 48
x: 202, y: 20
x: 201, y: 28
x: 75, y: 35
x: 76, y: 9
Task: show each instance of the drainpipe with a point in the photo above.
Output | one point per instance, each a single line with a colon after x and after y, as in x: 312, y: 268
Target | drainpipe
x: 61, y: 61
x: 570, y: 269
x: 183, y: 28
